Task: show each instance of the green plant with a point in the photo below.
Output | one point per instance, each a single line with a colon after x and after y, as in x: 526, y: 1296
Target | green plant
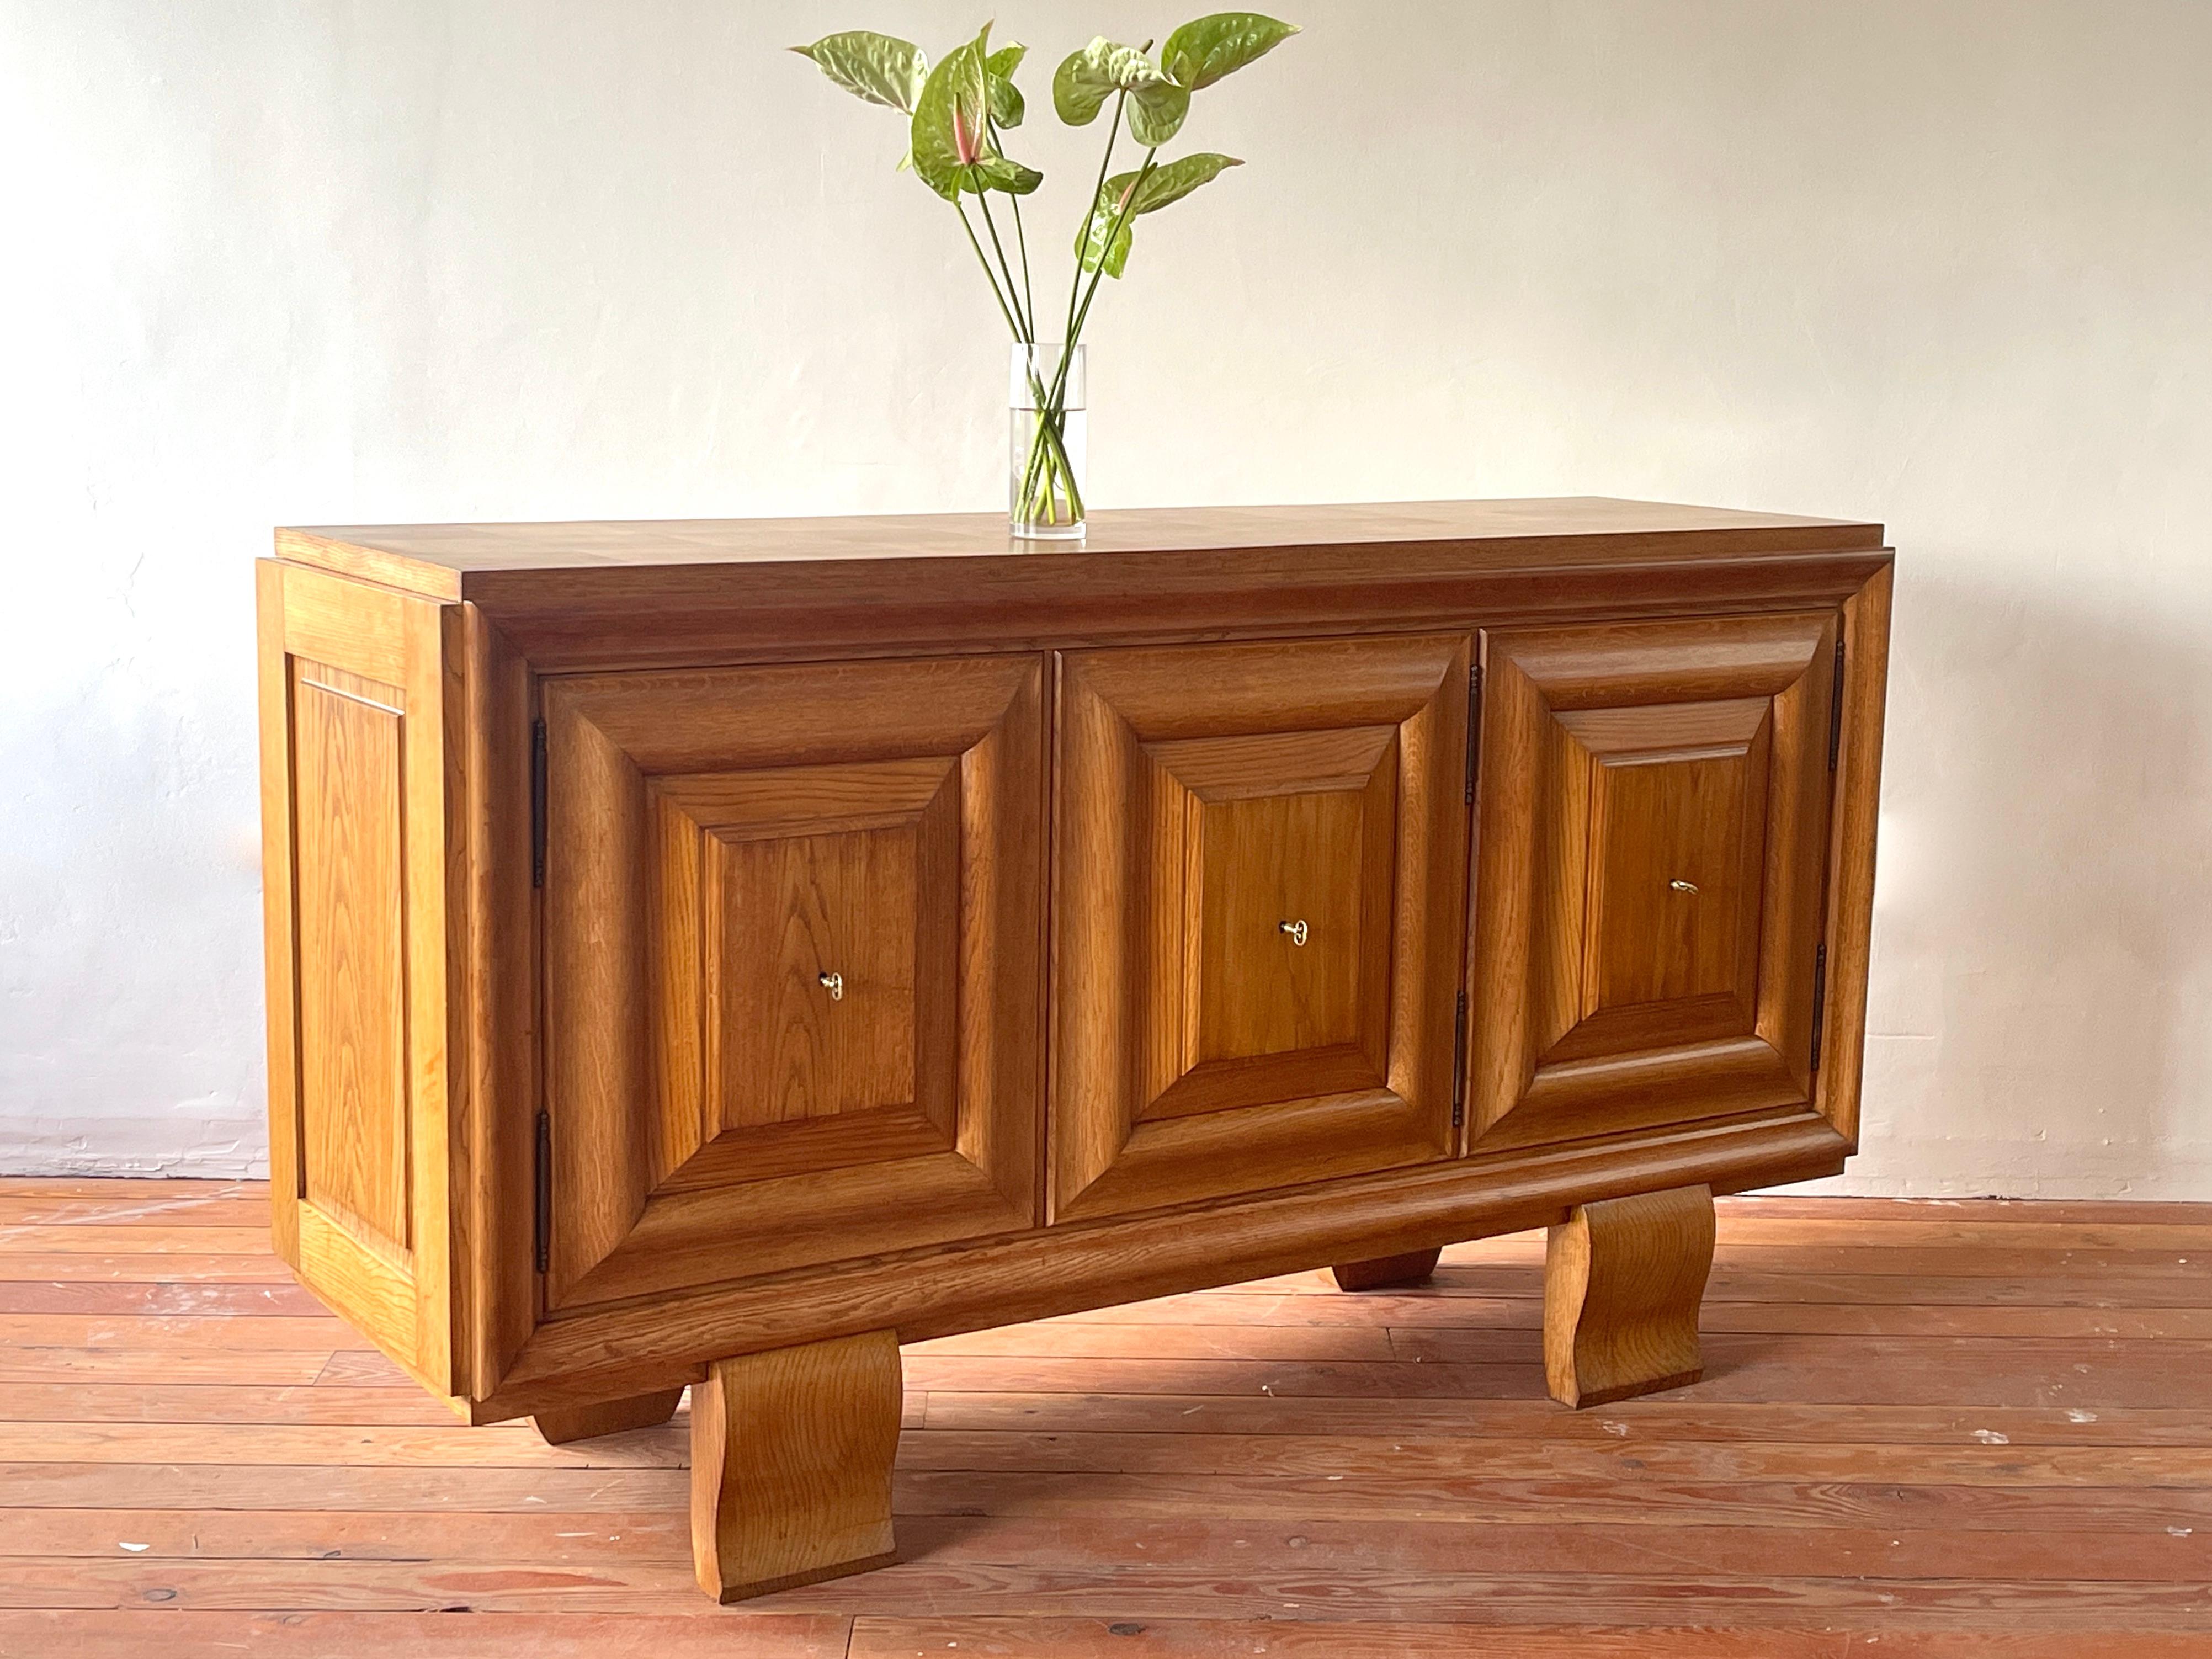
x: 958, y: 113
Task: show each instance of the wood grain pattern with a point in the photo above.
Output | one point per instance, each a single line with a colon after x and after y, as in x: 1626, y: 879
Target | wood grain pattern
x: 1060, y: 1493
x: 496, y: 955
x: 273, y: 684
x: 791, y: 1465
x: 359, y: 687
x: 1601, y: 527
x: 1652, y: 863
x: 1851, y: 858
x: 1209, y: 797
x: 349, y: 879
x: 562, y: 1426
x: 625, y: 1349
x: 864, y: 887
x: 1622, y: 1281
x: 718, y: 844
x: 576, y: 598
x: 1387, y: 1272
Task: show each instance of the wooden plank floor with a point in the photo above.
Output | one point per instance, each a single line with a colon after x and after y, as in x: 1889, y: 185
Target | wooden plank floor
x: 1952, y: 1430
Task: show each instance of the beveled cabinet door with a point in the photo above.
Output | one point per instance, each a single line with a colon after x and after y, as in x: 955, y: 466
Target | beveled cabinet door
x: 1260, y: 876
x: 1652, y: 843
x: 793, y: 940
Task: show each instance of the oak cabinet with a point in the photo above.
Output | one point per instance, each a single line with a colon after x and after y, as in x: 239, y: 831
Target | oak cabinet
x: 712, y: 953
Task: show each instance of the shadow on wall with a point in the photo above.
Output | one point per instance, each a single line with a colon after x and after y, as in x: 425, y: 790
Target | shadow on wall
x: 2047, y: 801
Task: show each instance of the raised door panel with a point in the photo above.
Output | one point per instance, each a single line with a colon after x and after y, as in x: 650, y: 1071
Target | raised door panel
x: 1652, y: 842
x: 1260, y: 877
x: 794, y: 962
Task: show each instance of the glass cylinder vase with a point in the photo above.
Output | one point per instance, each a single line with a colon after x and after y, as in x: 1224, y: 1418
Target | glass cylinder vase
x: 1045, y: 420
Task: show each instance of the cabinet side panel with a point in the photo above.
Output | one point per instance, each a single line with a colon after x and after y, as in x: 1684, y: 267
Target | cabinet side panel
x: 278, y: 956
x: 496, y: 1289
x: 359, y: 1105
x: 1851, y: 831
x: 348, y: 860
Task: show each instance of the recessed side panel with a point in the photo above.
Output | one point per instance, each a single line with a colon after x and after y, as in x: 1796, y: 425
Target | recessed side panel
x: 348, y: 809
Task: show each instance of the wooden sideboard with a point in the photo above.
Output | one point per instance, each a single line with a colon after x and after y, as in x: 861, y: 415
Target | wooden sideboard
x: 712, y: 953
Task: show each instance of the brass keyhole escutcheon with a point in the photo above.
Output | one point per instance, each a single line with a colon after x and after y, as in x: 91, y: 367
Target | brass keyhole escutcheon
x: 835, y: 984
x: 1682, y: 886
x: 1297, y: 930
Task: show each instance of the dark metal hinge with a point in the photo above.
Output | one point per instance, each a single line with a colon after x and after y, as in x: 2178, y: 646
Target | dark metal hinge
x: 1820, y: 998
x: 1836, y: 710
x: 1474, y: 728
x: 542, y: 1195
x: 1459, y: 1064
x: 537, y: 804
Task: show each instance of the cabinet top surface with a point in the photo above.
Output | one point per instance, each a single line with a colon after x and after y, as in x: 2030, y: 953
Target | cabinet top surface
x: 449, y: 561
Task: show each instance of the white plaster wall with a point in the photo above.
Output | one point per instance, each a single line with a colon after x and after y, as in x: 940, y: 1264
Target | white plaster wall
x: 1943, y: 263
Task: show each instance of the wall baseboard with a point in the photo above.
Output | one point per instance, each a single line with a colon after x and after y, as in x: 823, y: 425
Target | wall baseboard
x: 203, y: 1150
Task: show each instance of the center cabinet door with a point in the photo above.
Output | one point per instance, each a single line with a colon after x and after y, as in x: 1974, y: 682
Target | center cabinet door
x: 794, y: 939
x: 1261, y: 886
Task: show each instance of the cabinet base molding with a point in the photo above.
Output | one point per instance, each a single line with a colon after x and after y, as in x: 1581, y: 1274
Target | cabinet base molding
x: 564, y: 1423
x: 791, y: 1465
x: 1622, y: 1281
x: 1387, y: 1272
x: 1060, y: 1270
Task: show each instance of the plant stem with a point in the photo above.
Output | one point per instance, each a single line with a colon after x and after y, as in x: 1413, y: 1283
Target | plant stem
x: 1021, y: 241
x: 1048, y: 431
x: 1048, y: 474
x: 1051, y: 402
x: 1078, y: 317
x: 1047, y: 461
x: 1027, y: 331
x: 1105, y: 164
x: 1121, y: 219
x: 984, y: 260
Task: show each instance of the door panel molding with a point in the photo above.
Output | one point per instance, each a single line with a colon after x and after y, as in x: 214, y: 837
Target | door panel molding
x: 1259, y: 878
x: 794, y: 937
x: 1650, y: 857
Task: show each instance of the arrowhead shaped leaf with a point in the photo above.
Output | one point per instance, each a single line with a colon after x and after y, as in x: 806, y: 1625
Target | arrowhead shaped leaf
x: 1123, y: 197
x: 1155, y: 113
x: 879, y: 68
x: 1173, y: 180
x: 1007, y: 107
x: 1086, y: 79
x: 949, y: 135
x: 1201, y: 52
x: 1098, y: 251
x: 997, y: 173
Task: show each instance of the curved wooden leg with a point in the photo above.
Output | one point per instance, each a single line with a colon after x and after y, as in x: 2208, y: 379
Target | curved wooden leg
x: 1387, y: 1272
x: 642, y: 1411
x: 791, y: 1465
x: 1622, y: 1281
